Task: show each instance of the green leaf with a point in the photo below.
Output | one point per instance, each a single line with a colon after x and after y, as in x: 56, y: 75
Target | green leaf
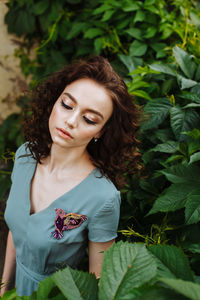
x: 167, y: 86
x: 172, y: 199
x: 40, y: 7
x: 168, y: 147
x: 171, y: 262
x: 183, y: 174
x: 158, y: 293
x: 192, y: 207
x: 141, y: 94
x: 194, y: 248
x: 125, y: 267
x: 177, y: 117
x: 25, y: 23
x: 135, y: 32
x: 76, y: 28
x: 161, y: 54
x: 136, y: 84
x: 45, y: 288
x: 98, y: 45
x: 101, y: 9
x: 137, y: 48
x: 76, y: 284
x: 195, y: 18
x: 157, y: 111
x: 182, y: 121
x: 131, y: 63
x: 93, y: 32
x: 194, y: 157
x: 107, y: 15
x: 185, y: 61
x: 192, y: 105
x: 130, y: 7
x: 186, y: 288
x: 150, y: 32
x: 162, y: 68
x: 191, y: 96
x: 140, y: 16
x: 186, y: 83
x: 158, y: 46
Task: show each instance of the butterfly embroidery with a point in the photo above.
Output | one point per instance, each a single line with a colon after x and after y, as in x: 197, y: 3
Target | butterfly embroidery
x: 65, y: 221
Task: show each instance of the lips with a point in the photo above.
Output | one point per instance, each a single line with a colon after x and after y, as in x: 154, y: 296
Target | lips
x: 64, y: 132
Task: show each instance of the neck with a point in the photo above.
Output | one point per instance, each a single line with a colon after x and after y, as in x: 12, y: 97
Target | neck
x: 61, y: 158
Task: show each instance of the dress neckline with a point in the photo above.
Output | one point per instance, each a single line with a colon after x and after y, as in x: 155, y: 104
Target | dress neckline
x: 54, y: 201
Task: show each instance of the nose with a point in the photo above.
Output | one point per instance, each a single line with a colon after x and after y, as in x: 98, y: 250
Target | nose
x: 72, y: 120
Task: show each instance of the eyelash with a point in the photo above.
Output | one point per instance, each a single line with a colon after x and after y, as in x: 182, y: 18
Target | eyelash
x: 86, y: 119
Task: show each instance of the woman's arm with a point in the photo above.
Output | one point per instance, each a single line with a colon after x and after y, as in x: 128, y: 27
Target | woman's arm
x: 9, y: 265
x: 96, y: 254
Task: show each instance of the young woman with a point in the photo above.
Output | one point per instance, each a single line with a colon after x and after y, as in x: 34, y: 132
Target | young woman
x: 64, y: 195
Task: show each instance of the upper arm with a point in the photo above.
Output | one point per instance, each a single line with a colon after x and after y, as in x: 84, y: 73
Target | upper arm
x: 96, y: 253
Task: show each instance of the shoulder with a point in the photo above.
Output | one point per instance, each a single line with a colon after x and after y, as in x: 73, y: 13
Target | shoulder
x: 102, y: 185
x: 23, y: 158
x: 23, y: 154
x: 105, y: 194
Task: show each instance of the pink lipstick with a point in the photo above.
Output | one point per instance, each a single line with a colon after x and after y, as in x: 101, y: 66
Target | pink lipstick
x: 65, y: 134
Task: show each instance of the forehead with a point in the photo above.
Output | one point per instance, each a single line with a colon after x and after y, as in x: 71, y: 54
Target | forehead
x: 89, y: 93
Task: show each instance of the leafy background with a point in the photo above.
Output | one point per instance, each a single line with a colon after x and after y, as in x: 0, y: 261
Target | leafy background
x: 155, y: 46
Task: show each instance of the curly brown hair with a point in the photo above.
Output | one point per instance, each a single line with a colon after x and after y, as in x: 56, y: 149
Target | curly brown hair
x: 115, y: 153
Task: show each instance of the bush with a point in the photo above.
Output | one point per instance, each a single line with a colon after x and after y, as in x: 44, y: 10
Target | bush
x: 155, y: 46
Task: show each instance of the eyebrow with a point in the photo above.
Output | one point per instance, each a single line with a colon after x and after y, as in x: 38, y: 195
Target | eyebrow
x: 89, y: 109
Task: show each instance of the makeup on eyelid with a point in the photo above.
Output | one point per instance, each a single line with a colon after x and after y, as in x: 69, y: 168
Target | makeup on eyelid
x: 89, y: 121
x: 81, y: 114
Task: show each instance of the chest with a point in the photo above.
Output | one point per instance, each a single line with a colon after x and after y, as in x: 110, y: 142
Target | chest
x: 46, y: 189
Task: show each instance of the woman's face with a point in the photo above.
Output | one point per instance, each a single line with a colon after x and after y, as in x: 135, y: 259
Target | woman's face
x: 80, y: 113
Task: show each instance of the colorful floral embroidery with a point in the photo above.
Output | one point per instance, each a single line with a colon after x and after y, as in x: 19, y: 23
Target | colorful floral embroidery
x: 65, y: 221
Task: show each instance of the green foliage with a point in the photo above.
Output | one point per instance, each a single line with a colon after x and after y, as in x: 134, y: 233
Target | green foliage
x: 155, y: 46
x: 130, y: 271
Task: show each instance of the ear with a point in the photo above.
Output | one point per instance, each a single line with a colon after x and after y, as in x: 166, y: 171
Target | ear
x: 100, y: 133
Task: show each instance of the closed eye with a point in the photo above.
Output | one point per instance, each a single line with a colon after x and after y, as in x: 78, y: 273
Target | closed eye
x: 65, y: 105
x: 89, y: 121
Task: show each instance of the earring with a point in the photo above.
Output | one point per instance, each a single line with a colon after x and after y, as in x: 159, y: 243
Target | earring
x: 95, y: 140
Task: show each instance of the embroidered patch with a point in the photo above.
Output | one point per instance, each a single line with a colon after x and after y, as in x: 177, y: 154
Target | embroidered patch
x: 65, y: 221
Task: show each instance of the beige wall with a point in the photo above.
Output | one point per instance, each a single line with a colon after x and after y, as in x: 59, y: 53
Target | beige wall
x: 12, y: 82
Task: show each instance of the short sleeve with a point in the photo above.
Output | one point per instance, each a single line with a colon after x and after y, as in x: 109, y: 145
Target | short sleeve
x: 20, y: 151
x: 104, y: 224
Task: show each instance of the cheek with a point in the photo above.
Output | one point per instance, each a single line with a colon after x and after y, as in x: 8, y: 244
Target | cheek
x: 53, y: 116
x: 89, y: 133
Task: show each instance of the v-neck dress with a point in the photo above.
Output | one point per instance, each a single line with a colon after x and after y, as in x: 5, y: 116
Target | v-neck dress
x: 38, y: 253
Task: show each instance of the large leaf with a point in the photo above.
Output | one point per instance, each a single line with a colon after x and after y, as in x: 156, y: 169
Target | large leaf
x: 131, y: 63
x: 195, y: 157
x: 157, y: 111
x: 183, y: 174
x: 168, y: 147
x: 45, y: 288
x: 182, y: 120
x: 162, y: 68
x: 186, y: 83
x: 173, y: 198
x: 192, y: 207
x: 137, y: 48
x: 125, y: 267
x: 185, y: 61
x: 158, y: 293
x: 171, y: 262
x: 191, y: 96
x: 76, y: 284
x: 186, y: 288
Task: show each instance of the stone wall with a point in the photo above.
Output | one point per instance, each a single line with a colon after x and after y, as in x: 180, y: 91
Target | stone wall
x: 12, y: 82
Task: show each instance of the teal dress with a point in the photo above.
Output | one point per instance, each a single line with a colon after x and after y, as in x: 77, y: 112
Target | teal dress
x: 38, y: 252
